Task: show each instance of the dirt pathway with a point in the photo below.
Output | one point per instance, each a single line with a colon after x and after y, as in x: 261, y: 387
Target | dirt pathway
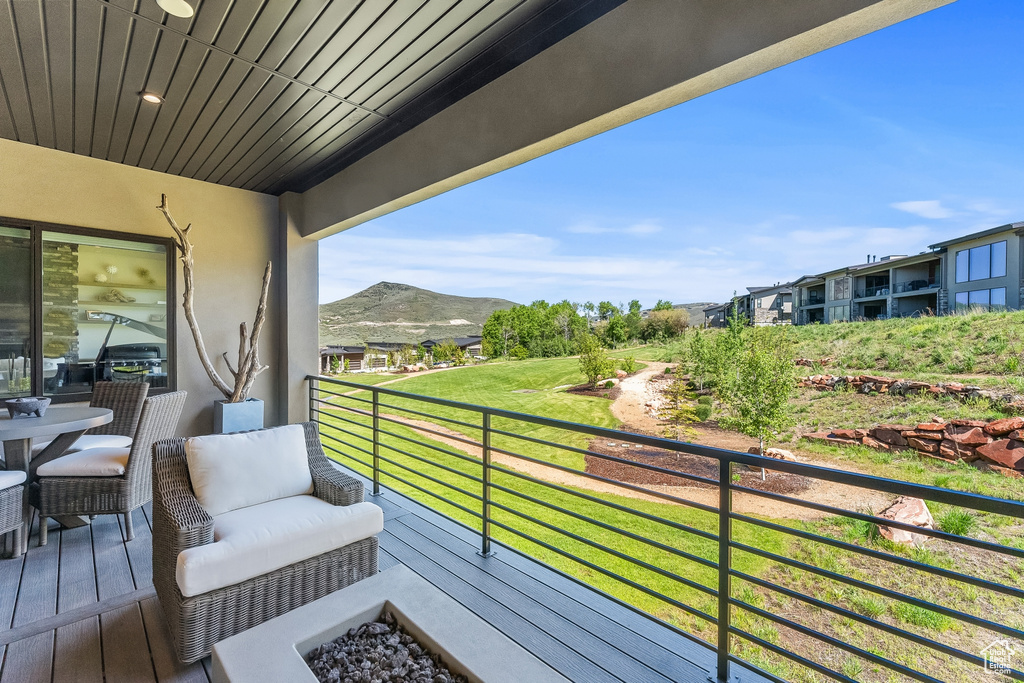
x: 631, y: 407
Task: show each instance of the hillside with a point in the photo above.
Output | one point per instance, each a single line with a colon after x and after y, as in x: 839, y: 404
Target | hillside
x: 391, y: 312
x: 695, y: 311
x: 975, y: 345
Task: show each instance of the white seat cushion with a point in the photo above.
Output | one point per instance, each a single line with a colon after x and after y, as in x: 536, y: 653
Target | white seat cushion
x: 232, y: 471
x: 88, y: 441
x: 9, y: 478
x: 92, y: 462
x: 259, y: 539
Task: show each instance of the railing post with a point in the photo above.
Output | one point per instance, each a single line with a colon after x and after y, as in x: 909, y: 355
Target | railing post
x: 724, y: 562
x: 314, y: 389
x: 485, y: 458
x: 376, y: 442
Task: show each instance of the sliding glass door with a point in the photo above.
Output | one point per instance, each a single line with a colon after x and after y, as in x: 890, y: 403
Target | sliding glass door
x: 80, y: 306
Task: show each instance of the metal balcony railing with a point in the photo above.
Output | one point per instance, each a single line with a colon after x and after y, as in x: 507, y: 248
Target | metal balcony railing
x: 814, y: 299
x: 915, y: 285
x: 880, y: 290
x: 641, y: 552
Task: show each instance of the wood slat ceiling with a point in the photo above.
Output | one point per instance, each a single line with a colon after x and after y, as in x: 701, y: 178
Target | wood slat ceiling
x: 266, y: 95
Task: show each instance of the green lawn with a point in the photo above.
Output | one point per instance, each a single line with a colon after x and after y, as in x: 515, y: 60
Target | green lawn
x: 411, y: 457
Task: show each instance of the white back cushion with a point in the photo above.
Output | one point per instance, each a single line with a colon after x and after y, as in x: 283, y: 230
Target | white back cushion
x: 232, y: 471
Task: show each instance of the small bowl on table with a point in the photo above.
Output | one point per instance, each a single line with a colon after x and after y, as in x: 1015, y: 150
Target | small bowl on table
x: 29, y: 406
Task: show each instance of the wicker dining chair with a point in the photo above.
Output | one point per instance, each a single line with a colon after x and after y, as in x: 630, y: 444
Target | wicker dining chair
x: 12, y: 507
x: 180, y: 522
x: 66, y: 485
x: 125, y: 400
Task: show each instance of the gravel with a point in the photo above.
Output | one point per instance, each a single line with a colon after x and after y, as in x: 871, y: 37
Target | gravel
x: 378, y: 652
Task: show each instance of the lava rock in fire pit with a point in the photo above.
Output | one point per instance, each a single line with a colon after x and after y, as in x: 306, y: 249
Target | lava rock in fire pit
x: 378, y: 651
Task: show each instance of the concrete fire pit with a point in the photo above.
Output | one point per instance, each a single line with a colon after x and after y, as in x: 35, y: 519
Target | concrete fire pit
x: 276, y: 650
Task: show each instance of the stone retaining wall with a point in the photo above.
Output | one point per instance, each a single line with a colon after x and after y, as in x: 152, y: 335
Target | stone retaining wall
x: 997, y: 445
x: 867, y: 384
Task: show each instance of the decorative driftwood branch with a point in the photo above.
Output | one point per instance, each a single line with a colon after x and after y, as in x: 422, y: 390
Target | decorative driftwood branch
x: 249, y: 366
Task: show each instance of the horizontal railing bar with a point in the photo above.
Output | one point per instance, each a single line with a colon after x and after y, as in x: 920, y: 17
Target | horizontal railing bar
x: 430, y: 493
x: 611, y: 551
x: 615, y: 506
x: 611, y: 458
x: 629, y: 582
x: 867, y: 621
x: 628, y: 534
x: 840, y: 512
x: 433, y: 447
x: 420, y: 458
x: 962, y: 499
x: 345, y: 431
x: 425, y: 476
x: 347, y: 397
x: 886, y: 557
x: 420, y: 428
x: 346, y: 443
x: 335, y: 416
x: 835, y: 642
x: 849, y: 581
x: 803, y: 661
x: 767, y: 675
x: 350, y: 457
x: 614, y: 482
x: 450, y: 420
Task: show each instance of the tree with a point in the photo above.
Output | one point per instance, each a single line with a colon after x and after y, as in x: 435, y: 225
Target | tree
x: 616, y: 331
x: 633, y: 320
x: 333, y: 363
x: 700, y: 358
x: 662, y: 305
x: 678, y: 411
x: 594, y: 362
x: 448, y: 351
x: 664, y: 324
x: 760, y: 396
x: 606, y: 309
x: 499, y: 333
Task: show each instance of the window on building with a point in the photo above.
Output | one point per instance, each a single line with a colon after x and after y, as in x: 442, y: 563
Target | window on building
x: 838, y: 313
x: 99, y: 311
x: 981, y: 263
x: 840, y: 288
x: 982, y: 298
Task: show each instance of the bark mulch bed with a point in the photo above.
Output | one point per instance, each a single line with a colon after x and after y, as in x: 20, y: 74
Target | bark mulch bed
x: 598, y: 392
x: 700, y: 466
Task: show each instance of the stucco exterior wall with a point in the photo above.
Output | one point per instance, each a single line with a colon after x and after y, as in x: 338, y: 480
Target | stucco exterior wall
x: 235, y: 233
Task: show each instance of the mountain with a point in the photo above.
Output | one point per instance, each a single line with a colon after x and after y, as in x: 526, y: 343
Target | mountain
x: 695, y: 311
x: 392, y: 312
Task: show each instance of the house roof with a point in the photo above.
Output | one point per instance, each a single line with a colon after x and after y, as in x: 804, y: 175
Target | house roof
x: 459, y: 341
x: 978, y: 235
x: 716, y: 307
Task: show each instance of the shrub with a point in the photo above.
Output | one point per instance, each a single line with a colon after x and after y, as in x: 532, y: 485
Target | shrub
x: 703, y: 411
x: 519, y: 352
x: 629, y: 365
x: 609, y: 384
x: 705, y: 400
x: 957, y: 521
x: 668, y: 371
x: 594, y: 363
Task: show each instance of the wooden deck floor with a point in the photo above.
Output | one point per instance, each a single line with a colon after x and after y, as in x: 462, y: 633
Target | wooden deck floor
x: 83, y: 608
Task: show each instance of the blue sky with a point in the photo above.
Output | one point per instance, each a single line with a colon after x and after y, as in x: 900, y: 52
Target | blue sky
x: 883, y: 145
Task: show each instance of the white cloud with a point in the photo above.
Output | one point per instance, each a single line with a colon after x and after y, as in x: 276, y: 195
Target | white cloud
x: 931, y: 208
x: 643, y: 228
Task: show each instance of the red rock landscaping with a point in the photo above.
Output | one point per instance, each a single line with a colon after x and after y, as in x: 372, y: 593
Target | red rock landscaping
x: 996, y: 445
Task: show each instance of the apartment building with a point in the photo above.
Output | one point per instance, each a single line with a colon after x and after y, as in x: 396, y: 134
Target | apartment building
x: 983, y: 269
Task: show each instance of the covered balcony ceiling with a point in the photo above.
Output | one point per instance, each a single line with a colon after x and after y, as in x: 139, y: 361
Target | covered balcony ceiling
x: 267, y: 95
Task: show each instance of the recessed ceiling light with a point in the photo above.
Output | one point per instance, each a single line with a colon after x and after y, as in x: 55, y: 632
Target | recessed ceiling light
x: 152, y: 97
x: 178, y: 8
